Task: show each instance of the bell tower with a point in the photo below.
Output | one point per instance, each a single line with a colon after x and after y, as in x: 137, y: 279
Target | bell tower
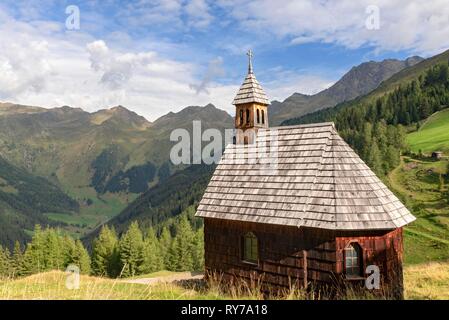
x: 251, y: 102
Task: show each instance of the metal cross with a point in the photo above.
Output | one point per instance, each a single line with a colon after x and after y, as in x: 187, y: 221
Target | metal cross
x: 250, y: 63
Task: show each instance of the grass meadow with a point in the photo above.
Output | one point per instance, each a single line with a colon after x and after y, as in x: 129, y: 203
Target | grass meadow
x: 433, y: 134
x: 421, y: 282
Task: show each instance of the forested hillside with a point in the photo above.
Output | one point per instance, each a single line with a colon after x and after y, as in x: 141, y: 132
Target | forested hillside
x: 103, y: 160
x: 164, y: 201
x: 358, y: 81
x: 375, y: 126
x: 24, y: 198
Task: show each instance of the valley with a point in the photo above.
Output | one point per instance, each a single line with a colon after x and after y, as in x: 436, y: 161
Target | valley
x: 102, y: 160
x: 114, y: 164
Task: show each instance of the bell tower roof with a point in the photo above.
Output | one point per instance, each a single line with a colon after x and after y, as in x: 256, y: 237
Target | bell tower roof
x: 250, y: 90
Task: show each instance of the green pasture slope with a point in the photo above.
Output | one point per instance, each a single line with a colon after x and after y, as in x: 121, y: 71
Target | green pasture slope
x: 433, y: 134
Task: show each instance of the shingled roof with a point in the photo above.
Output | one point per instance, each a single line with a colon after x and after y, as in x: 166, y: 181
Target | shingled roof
x: 250, y: 91
x: 320, y: 182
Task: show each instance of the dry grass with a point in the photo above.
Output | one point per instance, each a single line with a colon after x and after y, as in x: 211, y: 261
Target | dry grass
x: 424, y: 281
x: 52, y: 286
x: 427, y: 281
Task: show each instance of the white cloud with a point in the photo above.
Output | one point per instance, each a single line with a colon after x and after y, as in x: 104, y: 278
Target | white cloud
x: 43, y: 64
x: 198, y: 13
x: 214, y: 70
x: 420, y: 26
x: 174, y: 15
x: 40, y: 65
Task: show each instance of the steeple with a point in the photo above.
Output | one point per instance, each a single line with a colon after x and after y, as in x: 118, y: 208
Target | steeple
x: 250, y: 62
x: 250, y: 104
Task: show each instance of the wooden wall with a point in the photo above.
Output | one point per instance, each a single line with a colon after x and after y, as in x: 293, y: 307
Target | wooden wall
x: 381, y: 248
x: 284, y: 252
x: 281, y: 252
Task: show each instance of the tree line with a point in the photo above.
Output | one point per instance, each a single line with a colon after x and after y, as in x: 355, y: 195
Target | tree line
x: 133, y: 253
x: 376, y: 129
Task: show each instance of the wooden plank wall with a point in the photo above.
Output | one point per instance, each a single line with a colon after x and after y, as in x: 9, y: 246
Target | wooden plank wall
x: 281, y: 252
x: 381, y: 248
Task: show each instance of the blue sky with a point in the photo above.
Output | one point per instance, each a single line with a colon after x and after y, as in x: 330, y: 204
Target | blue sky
x: 156, y: 56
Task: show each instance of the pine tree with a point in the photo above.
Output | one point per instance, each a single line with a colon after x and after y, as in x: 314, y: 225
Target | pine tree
x: 5, y: 263
x: 75, y: 254
x: 17, y: 260
x: 374, y: 160
x: 105, y: 255
x: 391, y: 158
x: 182, y: 250
x: 82, y: 258
x: 131, y: 249
x: 153, y: 259
x: 53, y: 250
x: 165, y: 244
x: 34, y: 256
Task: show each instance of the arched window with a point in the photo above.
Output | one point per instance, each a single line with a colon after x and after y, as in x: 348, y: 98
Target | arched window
x: 263, y: 117
x: 258, y: 116
x: 353, y: 260
x: 241, y: 116
x: 250, y: 248
x: 247, y: 115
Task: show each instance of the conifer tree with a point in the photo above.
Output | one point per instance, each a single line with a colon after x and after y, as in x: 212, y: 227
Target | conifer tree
x: 153, y: 259
x: 17, y: 260
x: 165, y: 244
x: 374, y: 160
x: 76, y: 254
x: 34, y: 256
x: 105, y: 255
x: 53, y: 250
x: 182, y: 250
x: 131, y: 249
x: 5, y: 263
x: 81, y: 258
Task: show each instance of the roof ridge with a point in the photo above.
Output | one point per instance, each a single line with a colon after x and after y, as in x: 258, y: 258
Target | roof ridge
x: 306, y: 125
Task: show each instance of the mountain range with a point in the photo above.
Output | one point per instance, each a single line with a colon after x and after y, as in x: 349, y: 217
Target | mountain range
x: 113, y: 165
x: 359, y: 81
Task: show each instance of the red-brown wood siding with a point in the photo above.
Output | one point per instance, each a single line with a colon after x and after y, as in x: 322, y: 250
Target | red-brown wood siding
x: 282, y: 248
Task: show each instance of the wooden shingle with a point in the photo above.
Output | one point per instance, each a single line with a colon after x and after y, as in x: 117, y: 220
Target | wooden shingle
x: 316, y: 181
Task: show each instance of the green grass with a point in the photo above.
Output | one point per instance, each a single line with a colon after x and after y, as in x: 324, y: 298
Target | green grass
x: 433, y: 134
x: 417, y: 184
x: 103, y: 208
x: 422, y: 281
x: 51, y: 286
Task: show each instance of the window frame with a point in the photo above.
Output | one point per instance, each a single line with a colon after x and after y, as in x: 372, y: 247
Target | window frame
x: 356, y: 254
x: 254, y: 248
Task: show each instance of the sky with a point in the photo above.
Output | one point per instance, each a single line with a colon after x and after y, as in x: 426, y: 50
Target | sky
x: 157, y: 56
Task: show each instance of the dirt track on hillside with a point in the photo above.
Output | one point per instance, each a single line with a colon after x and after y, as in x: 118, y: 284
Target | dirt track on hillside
x: 168, y: 279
